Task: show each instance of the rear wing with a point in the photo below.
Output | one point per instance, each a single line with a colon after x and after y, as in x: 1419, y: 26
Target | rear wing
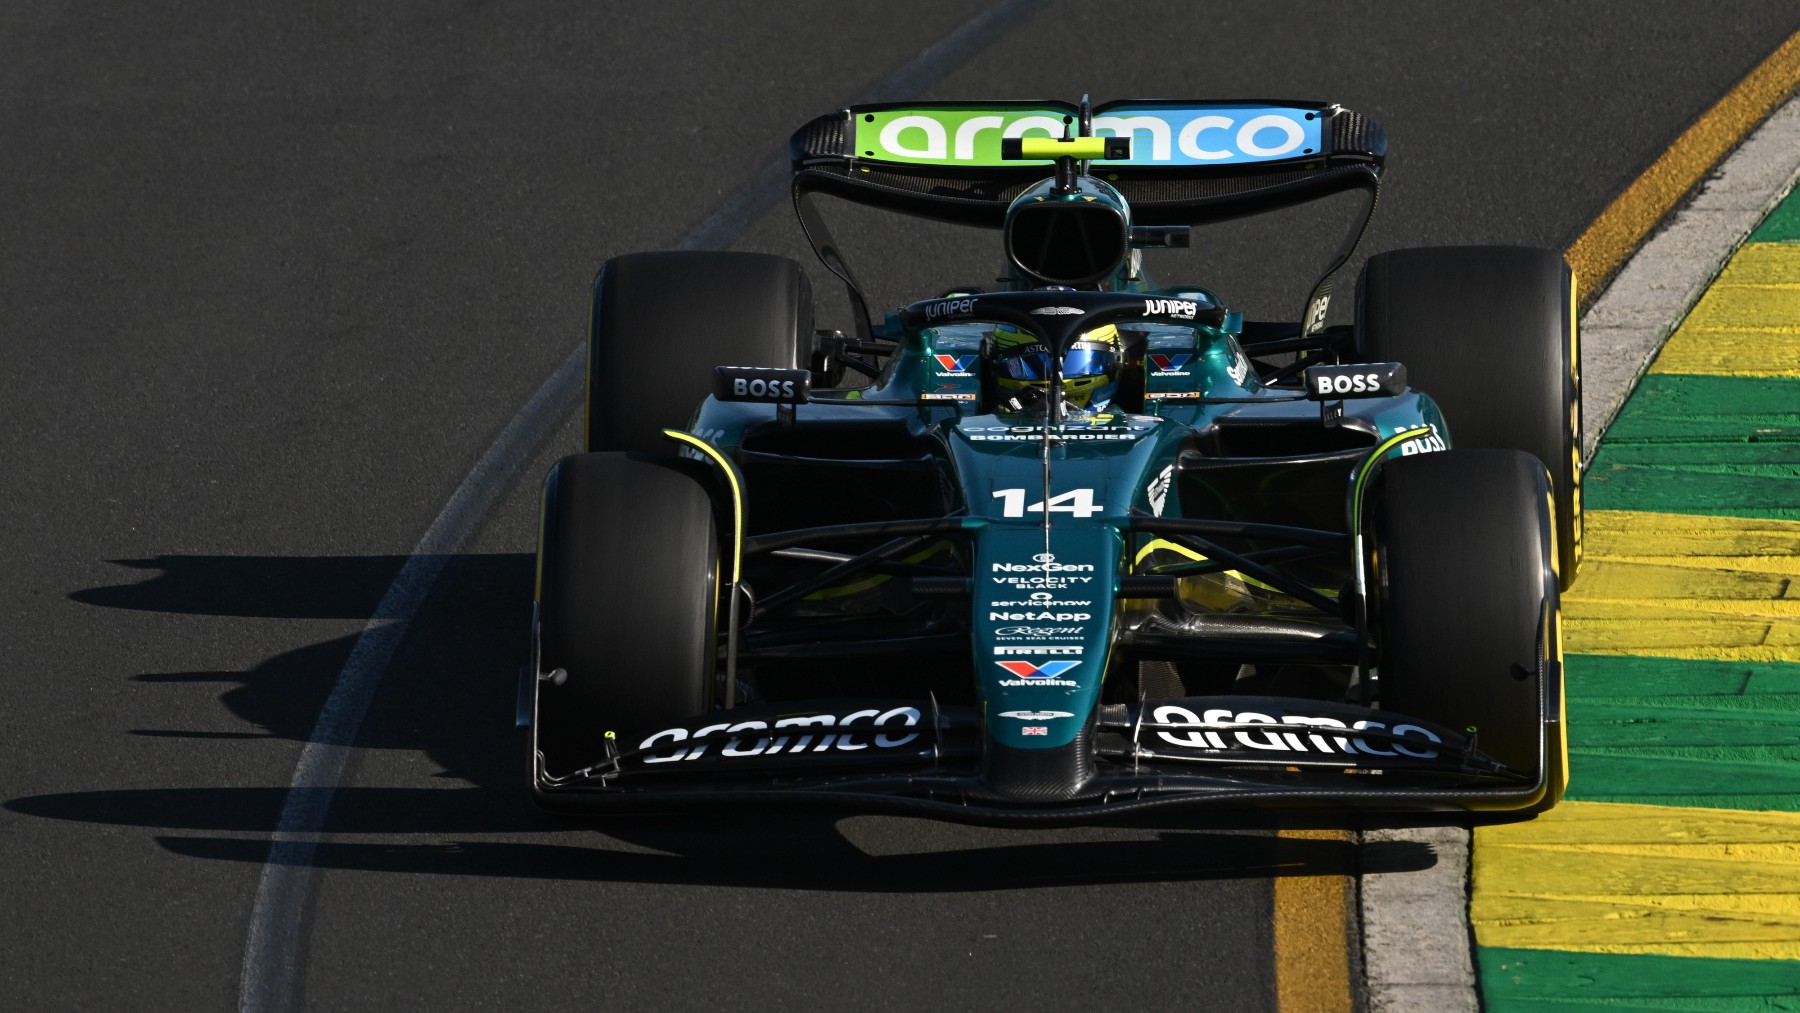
x: 1191, y: 162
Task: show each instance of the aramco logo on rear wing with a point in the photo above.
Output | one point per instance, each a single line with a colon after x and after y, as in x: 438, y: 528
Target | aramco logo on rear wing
x: 1200, y: 134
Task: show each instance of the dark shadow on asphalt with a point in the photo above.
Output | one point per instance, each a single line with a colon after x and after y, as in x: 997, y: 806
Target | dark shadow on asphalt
x: 461, y: 658
x: 449, y: 694
x: 812, y: 855
x: 274, y: 587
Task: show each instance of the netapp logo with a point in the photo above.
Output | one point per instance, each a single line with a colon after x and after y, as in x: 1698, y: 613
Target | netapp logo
x: 1039, y: 617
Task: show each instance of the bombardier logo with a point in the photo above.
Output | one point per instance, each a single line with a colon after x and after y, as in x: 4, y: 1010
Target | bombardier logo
x: 1179, y: 309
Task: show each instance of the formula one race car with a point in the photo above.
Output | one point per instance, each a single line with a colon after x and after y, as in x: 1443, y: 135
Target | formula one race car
x: 1081, y: 546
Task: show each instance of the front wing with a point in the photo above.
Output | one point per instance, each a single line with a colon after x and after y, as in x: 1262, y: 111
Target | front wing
x: 1226, y: 752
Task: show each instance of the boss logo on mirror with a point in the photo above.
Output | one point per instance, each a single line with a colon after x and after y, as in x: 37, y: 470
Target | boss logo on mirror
x: 1369, y: 379
x: 755, y: 383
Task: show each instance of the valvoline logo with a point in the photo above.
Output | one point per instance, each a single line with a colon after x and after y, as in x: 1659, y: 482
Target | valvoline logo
x: 1165, y: 363
x: 1046, y: 670
x: 955, y: 363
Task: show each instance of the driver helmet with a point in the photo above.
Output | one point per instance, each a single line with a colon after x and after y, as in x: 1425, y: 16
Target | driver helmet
x: 1021, y: 362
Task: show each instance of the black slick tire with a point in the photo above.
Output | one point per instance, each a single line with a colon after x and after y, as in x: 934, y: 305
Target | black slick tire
x: 1488, y: 332
x: 662, y: 321
x: 628, y: 570
x: 1468, y: 609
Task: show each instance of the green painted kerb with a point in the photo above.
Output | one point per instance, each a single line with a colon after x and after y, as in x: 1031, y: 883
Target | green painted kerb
x: 1717, y: 445
x: 1783, y: 226
x: 1551, y: 981
x: 1661, y: 731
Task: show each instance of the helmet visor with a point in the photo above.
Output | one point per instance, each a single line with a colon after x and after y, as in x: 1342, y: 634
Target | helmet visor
x: 1087, y: 358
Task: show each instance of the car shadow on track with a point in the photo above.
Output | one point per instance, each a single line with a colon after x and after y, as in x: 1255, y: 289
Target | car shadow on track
x: 270, y: 587
x: 449, y: 695
x: 811, y: 854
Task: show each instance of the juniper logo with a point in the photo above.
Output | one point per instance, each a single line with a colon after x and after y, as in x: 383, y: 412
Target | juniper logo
x: 1200, y: 134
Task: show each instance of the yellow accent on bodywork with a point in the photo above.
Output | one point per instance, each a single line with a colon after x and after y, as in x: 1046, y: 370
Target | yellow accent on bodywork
x: 737, y: 495
x: 880, y: 578
x: 1367, y: 467
x: 1574, y: 428
x: 1158, y: 543
x: 1056, y: 147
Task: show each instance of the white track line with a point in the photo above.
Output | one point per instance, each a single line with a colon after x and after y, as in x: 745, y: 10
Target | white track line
x: 274, y: 942
x: 1411, y: 920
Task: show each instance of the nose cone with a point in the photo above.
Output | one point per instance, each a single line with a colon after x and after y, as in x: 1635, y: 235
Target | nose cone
x: 1076, y: 239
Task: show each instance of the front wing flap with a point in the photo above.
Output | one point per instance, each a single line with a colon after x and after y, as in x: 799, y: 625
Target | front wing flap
x: 914, y: 755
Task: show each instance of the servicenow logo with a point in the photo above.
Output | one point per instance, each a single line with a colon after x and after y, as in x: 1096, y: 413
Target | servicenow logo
x: 1198, y: 135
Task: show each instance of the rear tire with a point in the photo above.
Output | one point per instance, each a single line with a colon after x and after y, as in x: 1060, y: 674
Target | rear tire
x: 628, y: 559
x: 1469, y: 626
x: 1489, y: 333
x: 662, y: 321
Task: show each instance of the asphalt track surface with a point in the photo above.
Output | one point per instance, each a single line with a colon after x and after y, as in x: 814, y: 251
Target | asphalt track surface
x: 272, y: 279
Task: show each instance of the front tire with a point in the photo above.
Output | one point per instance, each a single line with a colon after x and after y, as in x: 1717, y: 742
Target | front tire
x: 1469, y: 621
x: 1489, y: 332
x: 628, y: 569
